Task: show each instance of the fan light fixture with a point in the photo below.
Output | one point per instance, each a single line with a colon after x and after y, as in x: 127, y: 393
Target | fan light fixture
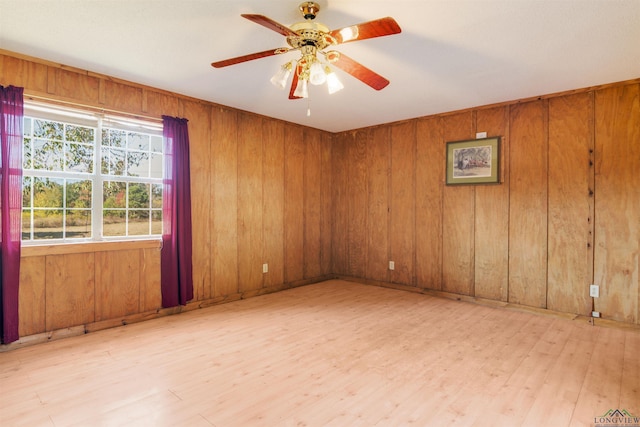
x: 311, y: 38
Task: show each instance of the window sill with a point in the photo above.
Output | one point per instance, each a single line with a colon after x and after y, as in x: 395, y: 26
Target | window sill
x: 88, y: 247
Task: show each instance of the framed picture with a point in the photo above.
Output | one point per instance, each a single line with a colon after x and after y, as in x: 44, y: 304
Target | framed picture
x: 475, y: 161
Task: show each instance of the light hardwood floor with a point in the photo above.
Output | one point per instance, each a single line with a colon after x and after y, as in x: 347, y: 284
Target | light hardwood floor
x: 331, y: 354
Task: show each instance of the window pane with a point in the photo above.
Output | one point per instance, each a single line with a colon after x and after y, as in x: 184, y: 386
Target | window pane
x: 79, y: 157
x: 26, y: 131
x: 47, y: 129
x: 138, y: 222
x: 78, y: 193
x: 139, y: 195
x: 114, y: 194
x: 156, y: 144
x: 79, y: 134
x: 48, y: 155
x: 138, y: 164
x: 156, y: 222
x: 114, y: 223
x: 26, y: 224
x: 156, y: 196
x: 138, y: 141
x: 27, y: 161
x: 114, y: 138
x: 47, y: 192
x: 26, y: 191
x: 113, y: 161
x: 47, y: 224
x: 78, y: 223
x: 155, y: 164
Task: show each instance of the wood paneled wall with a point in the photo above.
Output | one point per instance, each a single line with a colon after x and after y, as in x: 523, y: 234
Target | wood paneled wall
x: 261, y: 191
x: 565, y: 214
x: 312, y: 204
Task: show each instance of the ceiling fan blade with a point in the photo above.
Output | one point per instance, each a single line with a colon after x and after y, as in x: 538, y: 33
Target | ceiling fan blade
x: 250, y: 57
x: 294, y: 83
x: 367, y: 30
x: 358, y: 70
x: 270, y: 24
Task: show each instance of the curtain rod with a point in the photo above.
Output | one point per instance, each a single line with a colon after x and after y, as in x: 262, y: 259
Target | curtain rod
x: 92, y: 108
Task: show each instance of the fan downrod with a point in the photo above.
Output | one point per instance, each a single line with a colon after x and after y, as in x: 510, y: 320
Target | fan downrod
x: 309, y: 9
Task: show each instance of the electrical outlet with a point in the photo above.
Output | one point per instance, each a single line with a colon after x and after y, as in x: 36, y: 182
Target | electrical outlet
x: 265, y: 268
x: 594, y: 291
x: 595, y: 314
x: 480, y: 135
x: 392, y: 265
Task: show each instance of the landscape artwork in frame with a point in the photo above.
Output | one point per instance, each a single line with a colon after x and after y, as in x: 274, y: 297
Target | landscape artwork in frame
x: 475, y: 161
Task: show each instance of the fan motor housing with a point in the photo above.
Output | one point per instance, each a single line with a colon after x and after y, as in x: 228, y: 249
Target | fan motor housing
x: 310, y: 33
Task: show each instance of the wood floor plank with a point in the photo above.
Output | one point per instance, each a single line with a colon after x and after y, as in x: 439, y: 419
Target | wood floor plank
x: 333, y: 353
x: 601, y: 387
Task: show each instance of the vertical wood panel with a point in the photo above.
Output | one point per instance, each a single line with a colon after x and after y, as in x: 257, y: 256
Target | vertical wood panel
x: 326, y: 202
x: 617, y: 203
x: 430, y: 172
x: 250, y: 202
x: 294, y: 204
x: 570, y: 222
x: 491, y: 228
x: 273, y: 201
x: 357, y: 155
x: 117, y: 283
x: 150, y: 291
x: 458, y: 218
x: 312, y: 209
x: 31, y: 298
x: 528, y: 204
x: 378, y: 166
x: 402, y: 229
x: 70, y: 292
x: 340, y: 180
x: 199, y: 116
x: 224, y: 181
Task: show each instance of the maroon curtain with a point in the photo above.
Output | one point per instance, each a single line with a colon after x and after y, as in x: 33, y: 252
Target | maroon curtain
x: 176, y: 278
x: 11, y: 116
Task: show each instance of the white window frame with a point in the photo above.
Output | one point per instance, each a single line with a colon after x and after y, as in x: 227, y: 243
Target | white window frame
x: 98, y: 121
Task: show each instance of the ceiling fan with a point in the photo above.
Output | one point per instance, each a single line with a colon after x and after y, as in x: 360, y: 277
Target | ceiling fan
x: 312, y: 39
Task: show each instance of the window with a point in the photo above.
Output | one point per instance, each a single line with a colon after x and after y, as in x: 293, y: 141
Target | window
x: 90, y: 177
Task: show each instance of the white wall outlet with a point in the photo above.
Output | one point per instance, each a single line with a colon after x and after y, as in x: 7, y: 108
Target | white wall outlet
x: 594, y: 291
x: 595, y: 314
x: 481, y: 135
x: 265, y: 268
x: 392, y: 265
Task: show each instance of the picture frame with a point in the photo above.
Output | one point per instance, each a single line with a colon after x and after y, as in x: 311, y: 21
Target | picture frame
x: 473, y: 161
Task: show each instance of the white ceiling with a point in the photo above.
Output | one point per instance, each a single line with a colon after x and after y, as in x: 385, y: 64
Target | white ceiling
x: 451, y: 54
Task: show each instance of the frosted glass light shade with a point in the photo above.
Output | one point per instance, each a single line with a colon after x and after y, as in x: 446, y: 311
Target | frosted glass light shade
x: 279, y: 79
x: 302, y: 90
x: 316, y: 74
x: 333, y: 83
